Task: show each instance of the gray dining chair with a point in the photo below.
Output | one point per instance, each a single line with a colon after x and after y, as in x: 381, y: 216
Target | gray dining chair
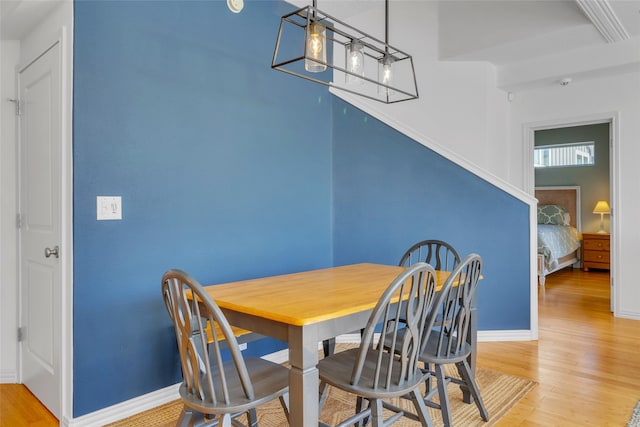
x: 374, y: 372
x: 448, y: 342
x: 441, y: 255
x: 438, y: 253
x: 216, y: 389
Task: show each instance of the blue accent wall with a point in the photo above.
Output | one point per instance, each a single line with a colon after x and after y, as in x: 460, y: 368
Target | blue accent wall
x: 177, y: 110
x: 390, y: 192
x: 230, y: 170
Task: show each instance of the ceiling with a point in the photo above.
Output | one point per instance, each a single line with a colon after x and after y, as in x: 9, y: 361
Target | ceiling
x: 18, y: 17
x: 537, y: 43
x: 503, y: 32
x: 531, y: 42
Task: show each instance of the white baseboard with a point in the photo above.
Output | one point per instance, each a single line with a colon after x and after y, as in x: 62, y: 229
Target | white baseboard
x: 633, y: 315
x: 349, y: 338
x: 483, y: 336
x: 278, y: 357
x: 167, y: 394
x: 515, y: 335
x: 8, y: 376
x: 125, y: 409
x: 511, y: 335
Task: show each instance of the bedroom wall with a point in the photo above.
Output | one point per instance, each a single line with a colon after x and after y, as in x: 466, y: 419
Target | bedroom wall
x: 580, y: 102
x: 592, y: 179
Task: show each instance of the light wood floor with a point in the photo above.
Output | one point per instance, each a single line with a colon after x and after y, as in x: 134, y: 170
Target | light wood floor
x: 585, y: 362
x: 19, y: 408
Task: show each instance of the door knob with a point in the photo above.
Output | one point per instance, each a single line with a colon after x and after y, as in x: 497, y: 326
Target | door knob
x: 55, y: 251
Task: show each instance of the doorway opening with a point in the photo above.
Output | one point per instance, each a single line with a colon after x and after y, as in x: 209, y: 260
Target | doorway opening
x: 597, y: 181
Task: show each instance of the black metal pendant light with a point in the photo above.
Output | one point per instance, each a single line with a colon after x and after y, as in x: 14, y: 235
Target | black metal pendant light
x: 318, y: 47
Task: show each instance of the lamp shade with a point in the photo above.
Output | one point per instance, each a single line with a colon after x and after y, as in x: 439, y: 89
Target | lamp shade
x: 602, y: 207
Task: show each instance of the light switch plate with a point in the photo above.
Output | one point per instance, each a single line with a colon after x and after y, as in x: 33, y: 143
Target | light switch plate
x: 108, y: 208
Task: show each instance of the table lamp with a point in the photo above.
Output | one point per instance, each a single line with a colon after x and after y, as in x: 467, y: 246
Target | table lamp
x: 602, y: 208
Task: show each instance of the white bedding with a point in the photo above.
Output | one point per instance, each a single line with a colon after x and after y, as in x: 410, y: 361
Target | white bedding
x: 556, y: 241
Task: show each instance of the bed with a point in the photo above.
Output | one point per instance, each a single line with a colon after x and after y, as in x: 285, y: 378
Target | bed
x: 559, y: 237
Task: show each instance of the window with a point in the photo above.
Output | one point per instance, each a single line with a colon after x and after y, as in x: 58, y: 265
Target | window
x: 576, y: 154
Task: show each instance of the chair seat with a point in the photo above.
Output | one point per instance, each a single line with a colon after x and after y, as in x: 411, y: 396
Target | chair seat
x: 269, y: 379
x: 337, y: 369
x: 430, y: 353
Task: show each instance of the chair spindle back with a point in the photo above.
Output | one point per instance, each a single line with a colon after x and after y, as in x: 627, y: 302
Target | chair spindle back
x: 397, y: 354
x: 454, y: 310
x: 200, y: 328
x: 441, y: 255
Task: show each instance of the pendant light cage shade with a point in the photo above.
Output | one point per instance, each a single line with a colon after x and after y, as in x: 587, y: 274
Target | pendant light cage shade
x: 350, y: 60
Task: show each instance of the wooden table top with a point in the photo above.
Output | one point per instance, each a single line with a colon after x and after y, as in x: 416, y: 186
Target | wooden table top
x: 312, y: 296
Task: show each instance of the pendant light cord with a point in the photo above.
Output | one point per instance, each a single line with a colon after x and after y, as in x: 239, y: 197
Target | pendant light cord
x: 386, y: 26
x: 386, y: 21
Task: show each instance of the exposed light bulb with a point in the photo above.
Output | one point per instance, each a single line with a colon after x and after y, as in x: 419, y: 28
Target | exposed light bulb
x: 316, y: 52
x: 386, y: 77
x: 355, y: 62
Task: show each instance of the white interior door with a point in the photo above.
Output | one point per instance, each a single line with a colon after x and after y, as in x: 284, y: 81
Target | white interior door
x: 40, y: 227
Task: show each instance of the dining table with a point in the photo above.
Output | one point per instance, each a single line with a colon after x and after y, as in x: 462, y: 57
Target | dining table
x: 306, y: 308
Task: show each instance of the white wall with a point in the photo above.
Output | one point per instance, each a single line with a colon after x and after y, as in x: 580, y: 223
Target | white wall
x: 9, y: 54
x: 580, y: 100
x: 460, y: 112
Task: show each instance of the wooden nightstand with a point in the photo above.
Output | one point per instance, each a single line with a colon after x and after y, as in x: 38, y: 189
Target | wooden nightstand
x: 595, y: 251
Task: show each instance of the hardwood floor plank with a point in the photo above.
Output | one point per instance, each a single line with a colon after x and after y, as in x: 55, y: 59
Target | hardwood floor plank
x: 585, y: 362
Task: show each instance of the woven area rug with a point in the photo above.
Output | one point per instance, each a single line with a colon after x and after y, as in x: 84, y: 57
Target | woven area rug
x: 635, y: 417
x: 499, y: 391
